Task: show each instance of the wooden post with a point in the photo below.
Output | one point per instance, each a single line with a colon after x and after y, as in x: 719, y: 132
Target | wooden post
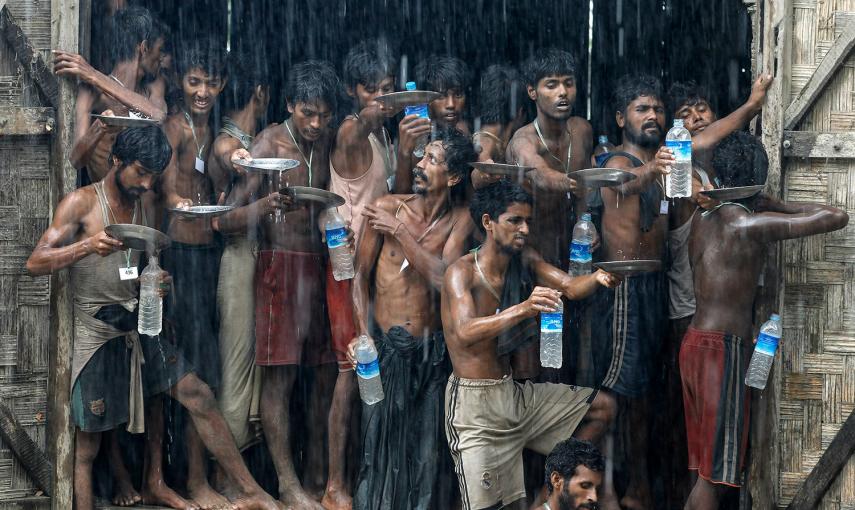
x: 65, y: 16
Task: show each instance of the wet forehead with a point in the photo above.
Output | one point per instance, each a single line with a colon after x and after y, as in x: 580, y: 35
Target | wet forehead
x: 645, y: 102
x: 318, y: 107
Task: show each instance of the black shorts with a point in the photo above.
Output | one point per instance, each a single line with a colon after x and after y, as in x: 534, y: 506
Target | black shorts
x: 99, y: 397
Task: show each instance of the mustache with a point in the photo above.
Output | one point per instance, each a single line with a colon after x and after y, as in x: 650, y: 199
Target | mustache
x: 420, y: 174
x: 650, y: 125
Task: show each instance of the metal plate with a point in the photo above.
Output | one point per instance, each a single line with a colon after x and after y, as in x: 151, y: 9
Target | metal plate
x: 138, y: 237
x: 267, y: 165
x: 306, y: 194
x: 734, y: 193
x: 501, y: 169
x: 112, y: 120
x: 398, y: 100
x: 602, y: 177
x: 202, y: 211
x: 630, y: 267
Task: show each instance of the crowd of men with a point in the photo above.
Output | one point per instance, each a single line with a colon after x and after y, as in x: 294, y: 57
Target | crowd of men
x: 452, y: 268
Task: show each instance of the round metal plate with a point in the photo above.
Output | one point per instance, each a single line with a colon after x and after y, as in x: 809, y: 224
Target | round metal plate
x: 138, y: 237
x: 398, y: 100
x: 112, y: 120
x: 306, y: 194
x: 734, y: 193
x: 602, y: 177
x: 630, y: 267
x: 267, y: 165
x: 202, y: 211
x: 501, y: 169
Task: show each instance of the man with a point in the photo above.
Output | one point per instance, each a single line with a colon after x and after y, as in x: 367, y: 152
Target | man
x: 136, y: 39
x: 104, y: 394
x: 574, y: 472
x: 407, y: 242
x: 503, y: 101
x: 290, y: 329
x: 490, y: 302
x: 715, y: 353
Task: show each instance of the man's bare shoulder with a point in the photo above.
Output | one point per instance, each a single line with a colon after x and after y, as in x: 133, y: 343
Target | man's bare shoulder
x: 523, y: 136
x: 224, y: 143
x: 461, y: 270
x: 174, y: 126
x: 579, y: 126
x: 78, y: 203
x: 620, y: 161
x: 391, y: 202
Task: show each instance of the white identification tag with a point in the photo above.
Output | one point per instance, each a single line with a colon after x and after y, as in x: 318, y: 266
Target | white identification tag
x: 200, y: 166
x: 404, y: 265
x: 663, y: 207
x: 128, y: 273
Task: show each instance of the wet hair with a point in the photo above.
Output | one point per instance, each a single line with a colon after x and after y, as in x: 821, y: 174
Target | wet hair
x: 502, y: 94
x: 148, y: 145
x: 128, y: 28
x: 632, y: 86
x: 570, y: 454
x: 204, y: 53
x: 494, y: 199
x: 441, y: 74
x: 686, y: 93
x: 459, y: 151
x: 312, y: 81
x: 246, y: 72
x: 740, y: 160
x: 548, y: 62
x: 368, y: 63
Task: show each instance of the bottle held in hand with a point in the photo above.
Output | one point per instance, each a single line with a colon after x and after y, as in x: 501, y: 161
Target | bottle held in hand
x: 335, y: 231
x: 422, y: 111
x: 368, y: 371
x: 678, y: 184
x: 551, y: 333
x: 151, y: 304
x: 764, y: 353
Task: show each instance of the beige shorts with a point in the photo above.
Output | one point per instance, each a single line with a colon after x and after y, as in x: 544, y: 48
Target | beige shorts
x: 488, y: 422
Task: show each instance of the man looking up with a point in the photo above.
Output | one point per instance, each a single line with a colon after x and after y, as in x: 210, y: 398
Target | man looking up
x: 574, y: 472
x: 490, y: 302
x: 407, y: 242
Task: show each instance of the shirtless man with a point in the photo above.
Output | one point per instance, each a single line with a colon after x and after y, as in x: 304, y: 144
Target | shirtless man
x: 135, y: 42
x: 407, y: 243
x: 491, y: 298
x: 715, y: 352
x: 574, y: 473
x: 104, y: 308
x: 290, y: 327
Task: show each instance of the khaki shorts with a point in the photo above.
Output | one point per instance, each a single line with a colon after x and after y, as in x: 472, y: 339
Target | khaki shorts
x: 488, y: 422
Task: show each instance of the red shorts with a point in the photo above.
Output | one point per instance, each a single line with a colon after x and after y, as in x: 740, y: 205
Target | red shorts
x: 289, y: 316
x: 340, y: 311
x: 717, y: 402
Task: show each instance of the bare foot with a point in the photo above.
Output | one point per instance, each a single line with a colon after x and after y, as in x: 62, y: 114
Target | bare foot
x: 336, y: 500
x: 125, y: 494
x: 208, y: 498
x: 158, y: 494
x: 261, y: 501
x: 298, y: 500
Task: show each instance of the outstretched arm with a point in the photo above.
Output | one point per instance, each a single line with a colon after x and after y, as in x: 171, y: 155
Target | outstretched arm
x: 573, y: 288
x: 792, y: 222
x: 715, y: 132
x: 521, y: 152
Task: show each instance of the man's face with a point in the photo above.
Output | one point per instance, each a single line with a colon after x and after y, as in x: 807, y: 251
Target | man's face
x: 151, y: 56
x: 310, y: 119
x: 431, y: 173
x: 510, y: 229
x: 554, y: 96
x: 696, y: 117
x: 133, y: 180
x: 643, y: 123
x: 580, y: 492
x: 448, y: 109
x: 201, y: 90
x: 366, y: 95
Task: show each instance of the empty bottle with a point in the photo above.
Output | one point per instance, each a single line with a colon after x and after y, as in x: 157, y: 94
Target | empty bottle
x: 764, y: 353
x: 368, y: 371
x: 603, y: 147
x: 340, y: 257
x: 551, y: 333
x: 678, y: 184
x: 584, y: 234
x: 150, y: 317
x: 422, y: 111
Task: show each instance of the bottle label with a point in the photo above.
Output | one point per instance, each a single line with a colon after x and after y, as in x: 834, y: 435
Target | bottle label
x: 551, y: 322
x: 682, y: 149
x: 336, y: 237
x: 580, y: 252
x: 420, y: 110
x: 368, y: 370
x: 767, y: 344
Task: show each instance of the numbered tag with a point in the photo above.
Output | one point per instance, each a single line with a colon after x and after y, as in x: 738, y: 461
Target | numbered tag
x: 663, y: 207
x: 128, y: 273
x: 200, y: 166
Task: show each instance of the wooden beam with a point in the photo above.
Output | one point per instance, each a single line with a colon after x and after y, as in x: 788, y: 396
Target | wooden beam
x: 16, y: 120
x: 811, y: 144
x: 29, y: 57
x: 26, y: 451
x: 836, y: 56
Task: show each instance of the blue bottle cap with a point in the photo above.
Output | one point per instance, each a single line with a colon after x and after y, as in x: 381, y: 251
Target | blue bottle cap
x: 411, y: 85
x: 776, y: 317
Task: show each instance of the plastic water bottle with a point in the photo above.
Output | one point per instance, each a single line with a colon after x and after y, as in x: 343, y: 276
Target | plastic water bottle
x: 340, y: 257
x: 368, y: 371
x: 551, y: 333
x: 603, y: 147
x: 679, y: 182
x: 580, y: 247
x: 422, y: 111
x: 150, y: 317
x: 764, y: 353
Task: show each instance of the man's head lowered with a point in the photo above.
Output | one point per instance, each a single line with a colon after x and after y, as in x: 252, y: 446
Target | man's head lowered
x: 639, y: 110
x: 550, y: 78
x: 688, y: 101
x: 311, y: 94
x: 139, y: 156
x: 134, y: 32
x: 202, y: 69
x: 502, y: 211
x: 369, y: 71
x: 502, y: 95
x: 574, y: 470
x: 740, y: 160
x: 445, y: 164
x: 450, y: 77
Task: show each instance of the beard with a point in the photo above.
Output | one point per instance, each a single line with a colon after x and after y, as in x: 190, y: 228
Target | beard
x: 420, y: 189
x: 509, y: 249
x: 132, y: 193
x: 641, y: 138
x: 568, y: 502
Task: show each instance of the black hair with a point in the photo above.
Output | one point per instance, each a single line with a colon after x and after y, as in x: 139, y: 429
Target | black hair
x: 205, y: 53
x: 632, y: 86
x: 128, y: 28
x: 312, y: 81
x: 368, y: 63
x: 740, y: 160
x: 494, y: 199
x: 548, y: 62
x: 148, y: 145
x: 686, y: 93
x: 247, y: 70
x: 459, y: 151
x: 441, y: 74
x: 503, y: 93
x: 570, y: 454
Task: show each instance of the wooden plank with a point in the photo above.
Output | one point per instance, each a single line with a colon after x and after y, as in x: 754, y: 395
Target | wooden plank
x: 811, y: 144
x: 835, y: 58
x: 16, y: 120
x: 29, y: 57
x: 826, y: 470
x: 37, y: 464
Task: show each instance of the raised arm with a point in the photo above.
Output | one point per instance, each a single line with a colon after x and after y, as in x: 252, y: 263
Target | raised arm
x: 804, y: 220
x: 410, y: 129
x: 715, y: 132
x: 573, y: 288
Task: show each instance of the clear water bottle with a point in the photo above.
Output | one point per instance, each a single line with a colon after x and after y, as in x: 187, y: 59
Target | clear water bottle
x: 580, y: 247
x: 151, y: 304
x: 678, y: 184
x: 422, y: 111
x: 368, y: 371
x: 764, y: 353
x: 551, y: 333
x: 603, y: 147
x: 336, y: 235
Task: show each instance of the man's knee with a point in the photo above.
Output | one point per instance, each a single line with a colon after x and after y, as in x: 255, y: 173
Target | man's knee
x: 603, y: 408
x: 86, y: 447
x: 195, y: 395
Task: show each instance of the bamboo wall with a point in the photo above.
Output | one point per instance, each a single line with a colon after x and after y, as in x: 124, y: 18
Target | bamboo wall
x: 818, y: 349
